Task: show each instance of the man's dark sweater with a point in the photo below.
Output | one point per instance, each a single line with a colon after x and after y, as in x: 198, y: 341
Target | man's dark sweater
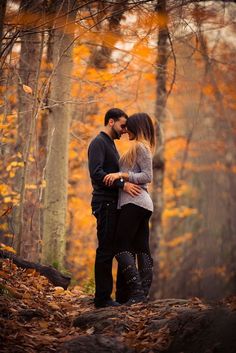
x: 103, y: 159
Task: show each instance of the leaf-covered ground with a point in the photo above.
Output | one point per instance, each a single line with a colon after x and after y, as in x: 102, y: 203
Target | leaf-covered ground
x: 37, y: 317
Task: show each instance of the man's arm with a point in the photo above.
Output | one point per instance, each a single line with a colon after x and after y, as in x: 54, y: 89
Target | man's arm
x: 132, y: 189
x: 96, y: 156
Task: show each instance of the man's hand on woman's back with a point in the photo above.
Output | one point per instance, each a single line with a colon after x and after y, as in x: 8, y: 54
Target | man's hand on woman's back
x: 132, y: 189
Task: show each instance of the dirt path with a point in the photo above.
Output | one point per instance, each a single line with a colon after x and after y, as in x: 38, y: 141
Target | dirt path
x: 37, y: 317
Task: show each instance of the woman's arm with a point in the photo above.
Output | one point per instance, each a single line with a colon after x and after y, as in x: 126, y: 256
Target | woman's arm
x: 144, y: 161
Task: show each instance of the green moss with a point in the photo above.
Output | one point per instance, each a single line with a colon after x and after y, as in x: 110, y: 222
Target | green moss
x: 89, y: 286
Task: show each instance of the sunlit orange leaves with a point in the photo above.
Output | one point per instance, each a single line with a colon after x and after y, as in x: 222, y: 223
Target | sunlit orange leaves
x: 208, y: 90
x: 174, y: 146
x: 33, y: 19
x: 152, y: 20
x: 142, y: 50
x: 176, y: 241
x: 109, y: 39
x: 181, y: 212
x: 7, y: 248
x: 81, y: 52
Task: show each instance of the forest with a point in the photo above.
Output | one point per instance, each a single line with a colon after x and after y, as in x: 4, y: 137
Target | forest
x: 63, y: 64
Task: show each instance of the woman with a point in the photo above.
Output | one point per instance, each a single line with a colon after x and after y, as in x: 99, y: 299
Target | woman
x: 133, y: 225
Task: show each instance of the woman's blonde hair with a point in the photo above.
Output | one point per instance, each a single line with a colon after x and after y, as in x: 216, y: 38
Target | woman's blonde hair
x: 141, y: 125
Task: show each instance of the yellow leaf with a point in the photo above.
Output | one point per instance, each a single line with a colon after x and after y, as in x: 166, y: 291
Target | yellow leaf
x: 30, y: 271
x: 43, y: 184
x: 30, y: 186
x: 26, y: 295
x: 3, y: 226
x: 7, y: 199
x: 43, y: 324
x: 58, y: 290
x: 4, y: 189
x: 11, y: 117
x: 12, y: 174
x: 54, y: 306
x: 27, y: 89
x: 9, y: 235
x: 3, y: 126
x: 208, y: 90
x: 7, y: 248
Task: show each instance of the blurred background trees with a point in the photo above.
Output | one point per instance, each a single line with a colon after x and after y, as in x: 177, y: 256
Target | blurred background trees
x: 63, y: 64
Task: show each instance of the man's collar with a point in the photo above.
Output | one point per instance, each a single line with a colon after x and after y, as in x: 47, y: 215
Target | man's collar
x: 107, y: 136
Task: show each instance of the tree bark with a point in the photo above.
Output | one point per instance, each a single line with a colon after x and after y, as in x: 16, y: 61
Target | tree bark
x: 55, y: 206
x: 30, y: 59
x: 3, y: 6
x: 158, y: 160
x: 101, y: 56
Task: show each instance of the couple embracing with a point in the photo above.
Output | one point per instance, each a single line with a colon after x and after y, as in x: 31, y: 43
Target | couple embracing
x: 122, y: 207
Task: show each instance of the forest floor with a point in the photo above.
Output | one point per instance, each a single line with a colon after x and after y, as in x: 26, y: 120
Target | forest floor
x: 35, y: 316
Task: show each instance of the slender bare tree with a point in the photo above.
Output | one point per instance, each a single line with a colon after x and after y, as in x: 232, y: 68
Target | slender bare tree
x: 55, y: 207
x: 29, y: 68
x: 158, y: 160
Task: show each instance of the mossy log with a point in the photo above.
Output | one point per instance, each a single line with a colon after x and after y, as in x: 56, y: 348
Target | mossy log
x: 53, y: 275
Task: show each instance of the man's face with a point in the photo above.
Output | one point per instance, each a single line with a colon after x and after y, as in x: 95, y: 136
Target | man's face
x: 118, y: 127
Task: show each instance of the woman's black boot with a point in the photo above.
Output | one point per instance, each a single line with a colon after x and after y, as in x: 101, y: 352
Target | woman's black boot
x: 127, y: 264
x: 145, y: 267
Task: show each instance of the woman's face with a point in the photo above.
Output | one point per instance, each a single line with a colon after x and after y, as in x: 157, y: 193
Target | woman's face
x: 130, y: 134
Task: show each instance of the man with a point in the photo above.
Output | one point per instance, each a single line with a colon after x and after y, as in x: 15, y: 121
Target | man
x: 103, y: 159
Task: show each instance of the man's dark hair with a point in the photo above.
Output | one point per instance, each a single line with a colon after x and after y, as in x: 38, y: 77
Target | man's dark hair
x: 115, y: 114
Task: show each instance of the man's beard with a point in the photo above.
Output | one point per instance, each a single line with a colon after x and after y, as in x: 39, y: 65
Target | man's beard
x: 116, y: 135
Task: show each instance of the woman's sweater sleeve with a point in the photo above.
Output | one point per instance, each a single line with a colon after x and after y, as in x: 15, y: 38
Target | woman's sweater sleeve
x: 144, y: 162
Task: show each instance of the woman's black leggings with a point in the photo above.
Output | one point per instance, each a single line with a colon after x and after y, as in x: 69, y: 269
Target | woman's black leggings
x: 133, y: 229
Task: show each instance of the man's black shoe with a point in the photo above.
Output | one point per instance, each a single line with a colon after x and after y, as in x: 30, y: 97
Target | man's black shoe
x: 106, y: 304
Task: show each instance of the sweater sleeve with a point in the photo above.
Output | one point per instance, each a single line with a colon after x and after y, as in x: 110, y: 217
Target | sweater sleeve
x: 144, y: 161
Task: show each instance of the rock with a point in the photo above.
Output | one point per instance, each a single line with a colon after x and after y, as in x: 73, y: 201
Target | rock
x: 28, y: 314
x: 96, y: 344
x: 209, y: 331
x: 101, y: 319
x: 155, y: 325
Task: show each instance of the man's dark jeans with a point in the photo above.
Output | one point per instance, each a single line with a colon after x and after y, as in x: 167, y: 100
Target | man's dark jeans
x: 106, y: 214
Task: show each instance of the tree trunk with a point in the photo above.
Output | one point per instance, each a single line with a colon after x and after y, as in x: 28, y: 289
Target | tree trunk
x: 3, y: 6
x: 30, y: 58
x: 158, y: 160
x: 55, y: 206
x: 43, y: 133
x: 101, y: 56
